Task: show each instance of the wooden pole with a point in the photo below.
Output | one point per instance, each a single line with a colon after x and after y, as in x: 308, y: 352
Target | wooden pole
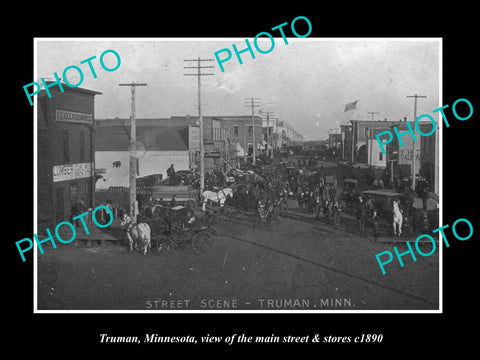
x: 133, y: 154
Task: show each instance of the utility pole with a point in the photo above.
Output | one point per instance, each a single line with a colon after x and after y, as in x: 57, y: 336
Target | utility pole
x: 275, y: 137
x: 371, y: 136
x: 133, y: 154
x: 199, y: 74
x: 414, y: 135
x: 254, y: 102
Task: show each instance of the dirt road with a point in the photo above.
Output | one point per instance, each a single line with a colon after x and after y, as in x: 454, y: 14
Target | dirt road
x: 290, y: 265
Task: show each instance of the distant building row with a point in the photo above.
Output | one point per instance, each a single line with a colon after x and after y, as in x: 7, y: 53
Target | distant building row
x: 228, y: 140
x: 74, y: 149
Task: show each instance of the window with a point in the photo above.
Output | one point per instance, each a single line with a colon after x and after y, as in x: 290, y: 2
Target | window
x: 82, y: 146
x: 116, y: 164
x: 73, y: 194
x: 66, y: 150
x: 250, y: 131
x: 380, y: 156
x: 88, y: 193
x: 235, y: 130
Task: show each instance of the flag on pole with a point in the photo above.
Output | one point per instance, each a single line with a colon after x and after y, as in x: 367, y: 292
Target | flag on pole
x: 351, y: 106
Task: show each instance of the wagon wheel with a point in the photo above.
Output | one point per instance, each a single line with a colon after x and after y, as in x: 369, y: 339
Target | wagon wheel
x: 178, y: 242
x: 234, y: 216
x: 164, y: 242
x: 202, y: 241
x: 210, y: 219
x: 213, y: 230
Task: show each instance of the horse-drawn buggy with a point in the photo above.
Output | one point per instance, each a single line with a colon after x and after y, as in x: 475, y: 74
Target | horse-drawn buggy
x: 256, y: 202
x: 166, y: 228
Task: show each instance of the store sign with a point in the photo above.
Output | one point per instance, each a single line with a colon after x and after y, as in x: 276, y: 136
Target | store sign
x: 72, y: 171
x: 193, y: 137
x: 405, y: 156
x: 72, y: 116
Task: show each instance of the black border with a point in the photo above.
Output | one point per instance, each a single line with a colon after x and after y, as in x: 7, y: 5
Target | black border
x: 402, y: 332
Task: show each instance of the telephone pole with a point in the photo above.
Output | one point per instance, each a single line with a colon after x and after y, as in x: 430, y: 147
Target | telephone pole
x: 275, y: 137
x: 371, y: 135
x: 254, y: 103
x: 133, y: 154
x: 199, y: 74
x: 414, y: 135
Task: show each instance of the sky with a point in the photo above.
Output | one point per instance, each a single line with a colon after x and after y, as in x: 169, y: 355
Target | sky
x: 306, y: 82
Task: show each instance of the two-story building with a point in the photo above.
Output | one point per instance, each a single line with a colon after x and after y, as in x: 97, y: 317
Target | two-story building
x: 401, y: 158
x: 362, y: 143
x: 244, y: 133
x: 65, y: 152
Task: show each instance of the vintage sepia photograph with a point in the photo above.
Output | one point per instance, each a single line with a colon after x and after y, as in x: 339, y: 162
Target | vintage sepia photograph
x: 170, y: 179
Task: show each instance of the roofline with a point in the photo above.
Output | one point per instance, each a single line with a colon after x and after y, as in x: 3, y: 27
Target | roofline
x: 67, y: 88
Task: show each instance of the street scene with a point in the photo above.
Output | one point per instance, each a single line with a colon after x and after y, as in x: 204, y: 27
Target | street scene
x: 260, y: 189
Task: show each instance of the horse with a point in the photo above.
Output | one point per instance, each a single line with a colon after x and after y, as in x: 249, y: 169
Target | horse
x: 138, y: 233
x: 397, y: 219
x: 216, y: 196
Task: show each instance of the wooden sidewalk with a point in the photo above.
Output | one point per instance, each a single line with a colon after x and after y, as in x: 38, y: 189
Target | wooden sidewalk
x: 111, y: 234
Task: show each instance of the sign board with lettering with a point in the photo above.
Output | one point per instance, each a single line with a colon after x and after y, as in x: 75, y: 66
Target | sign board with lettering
x: 72, y: 116
x: 72, y: 171
x: 193, y: 137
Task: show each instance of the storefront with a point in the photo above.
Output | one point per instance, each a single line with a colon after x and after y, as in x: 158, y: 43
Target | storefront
x: 65, y: 154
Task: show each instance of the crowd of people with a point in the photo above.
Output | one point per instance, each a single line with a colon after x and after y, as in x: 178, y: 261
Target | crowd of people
x: 316, y: 193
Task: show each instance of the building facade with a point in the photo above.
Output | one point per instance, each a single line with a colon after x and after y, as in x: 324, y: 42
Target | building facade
x: 401, y: 158
x: 65, y: 153
x: 158, y: 147
x: 243, y: 134
x: 361, y: 145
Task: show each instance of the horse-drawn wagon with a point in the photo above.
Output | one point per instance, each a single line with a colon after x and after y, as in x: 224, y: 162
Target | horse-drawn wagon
x: 180, y: 228
x: 183, y: 194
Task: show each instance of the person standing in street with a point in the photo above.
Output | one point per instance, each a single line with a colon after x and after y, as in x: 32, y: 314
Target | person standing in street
x: 171, y: 175
x: 375, y: 225
x: 336, y: 214
x: 361, y: 215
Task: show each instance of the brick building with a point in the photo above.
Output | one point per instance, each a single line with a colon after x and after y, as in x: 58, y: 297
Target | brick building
x: 65, y: 152
x: 425, y: 154
x: 240, y: 132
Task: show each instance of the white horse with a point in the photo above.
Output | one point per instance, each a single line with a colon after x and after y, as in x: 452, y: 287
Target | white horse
x: 218, y: 197
x: 397, y: 219
x: 137, y: 233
